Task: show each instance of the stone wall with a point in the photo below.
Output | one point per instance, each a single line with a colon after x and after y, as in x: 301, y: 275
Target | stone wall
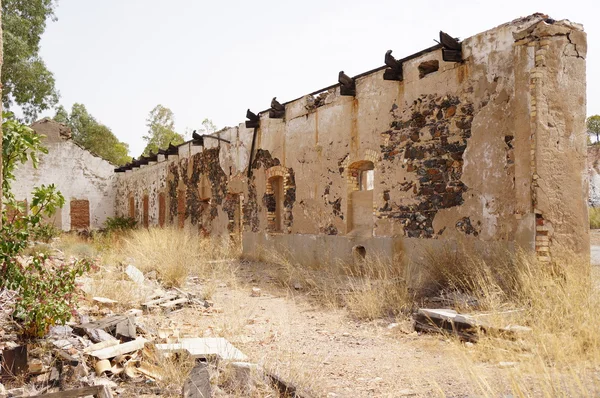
x: 487, y: 150
x: 85, y: 180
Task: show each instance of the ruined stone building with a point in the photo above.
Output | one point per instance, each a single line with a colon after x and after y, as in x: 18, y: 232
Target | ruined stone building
x: 481, y: 140
x: 86, y: 181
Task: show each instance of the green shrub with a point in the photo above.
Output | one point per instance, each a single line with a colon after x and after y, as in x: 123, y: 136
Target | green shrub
x: 594, y: 217
x: 47, y: 291
x: 44, y: 233
x: 119, y: 224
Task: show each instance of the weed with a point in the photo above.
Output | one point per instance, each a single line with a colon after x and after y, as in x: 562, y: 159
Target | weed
x: 594, y: 214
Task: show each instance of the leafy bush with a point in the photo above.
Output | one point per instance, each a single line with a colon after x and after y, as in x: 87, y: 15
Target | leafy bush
x: 45, y: 233
x: 46, y: 291
x: 46, y: 288
x: 119, y: 224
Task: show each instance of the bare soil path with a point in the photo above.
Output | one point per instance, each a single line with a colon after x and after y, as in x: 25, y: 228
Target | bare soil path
x: 324, y: 351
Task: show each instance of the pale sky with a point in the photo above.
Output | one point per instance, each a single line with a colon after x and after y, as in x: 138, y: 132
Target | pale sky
x: 215, y: 59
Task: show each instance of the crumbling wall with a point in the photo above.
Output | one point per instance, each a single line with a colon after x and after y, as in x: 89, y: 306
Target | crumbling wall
x: 77, y: 173
x: 472, y: 151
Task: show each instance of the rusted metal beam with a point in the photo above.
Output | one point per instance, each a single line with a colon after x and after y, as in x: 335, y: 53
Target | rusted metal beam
x: 347, y: 84
x: 277, y: 110
x: 451, y: 48
x: 253, y: 119
x: 394, y: 70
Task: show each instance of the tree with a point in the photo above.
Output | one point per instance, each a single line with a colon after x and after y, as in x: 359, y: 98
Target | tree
x: 25, y: 79
x: 593, y: 126
x: 161, y: 130
x: 208, y: 127
x: 93, y: 135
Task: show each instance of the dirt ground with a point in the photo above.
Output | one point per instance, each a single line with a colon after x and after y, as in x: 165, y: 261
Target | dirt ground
x: 323, y: 350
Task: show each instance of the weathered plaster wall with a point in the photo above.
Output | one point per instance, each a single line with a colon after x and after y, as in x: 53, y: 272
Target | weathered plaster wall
x: 593, y: 163
x: 474, y: 151
x: 77, y: 173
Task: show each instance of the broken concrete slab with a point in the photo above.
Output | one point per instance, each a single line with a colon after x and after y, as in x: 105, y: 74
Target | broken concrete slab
x: 206, y: 347
x: 135, y: 274
x: 197, y: 384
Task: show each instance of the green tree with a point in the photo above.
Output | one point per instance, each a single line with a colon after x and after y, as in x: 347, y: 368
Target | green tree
x: 25, y: 79
x: 93, y: 135
x: 593, y: 126
x: 161, y: 130
x: 208, y: 127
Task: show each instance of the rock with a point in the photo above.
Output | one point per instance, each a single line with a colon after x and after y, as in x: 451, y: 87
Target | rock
x: 151, y: 275
x: 507, y: 364
x: 101, y: 381
x: 104, y: 301
x: 135, y: 274
x: 98, y: 335
x: 17, y: 392
x: 256, y: 292
x: 407, y: 392
x: 198, y: 384
x: 60, y: 331
x: 297, y: 286
x: 393, y: 325
x: 242, y: 374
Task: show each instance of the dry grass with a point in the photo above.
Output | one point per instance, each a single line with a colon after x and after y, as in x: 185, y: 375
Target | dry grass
x: 369, y: 288
x: 561, y: 355
x: 175, y: 254
x: 594, y: 214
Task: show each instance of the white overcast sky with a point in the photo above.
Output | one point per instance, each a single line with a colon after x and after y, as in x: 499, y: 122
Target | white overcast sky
x: 215, y: 59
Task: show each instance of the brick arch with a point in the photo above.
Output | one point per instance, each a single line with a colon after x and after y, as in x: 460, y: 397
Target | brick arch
x: 282, y: 174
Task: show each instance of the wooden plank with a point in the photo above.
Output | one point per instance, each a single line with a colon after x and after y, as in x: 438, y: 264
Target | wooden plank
x: 97, y: 391
x: 125, y: 348
x: 157, y: 301
x: 103, y: 324
x: 174, y: 303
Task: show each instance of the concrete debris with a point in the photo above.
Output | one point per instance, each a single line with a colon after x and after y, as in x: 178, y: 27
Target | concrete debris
x: 202, y: 348
x: 104, y: 300
x: 198, y: 383
x: 466, y: 327
x: 135, y: 274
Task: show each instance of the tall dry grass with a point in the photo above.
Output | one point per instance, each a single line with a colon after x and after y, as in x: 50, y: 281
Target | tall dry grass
x: 560, y: 356
x: 174, y: 254
x: 368, y: 288
x: 594, y: 215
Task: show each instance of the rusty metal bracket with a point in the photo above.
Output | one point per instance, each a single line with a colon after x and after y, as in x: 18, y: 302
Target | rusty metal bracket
x: 253, y: 120
x: 451, y: 48
x: 394, y: 70
x: 348, y: 85
x: 277, y: 110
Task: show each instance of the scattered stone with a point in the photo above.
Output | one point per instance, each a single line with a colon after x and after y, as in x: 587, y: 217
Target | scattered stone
x: 256, y: 292
x: 407, y: 392
x: 200, y: 348
x: 60, y: 331
x: 505, y: 365
x: 198, y: 383
x: 135, y: 274
x: 104, y: 300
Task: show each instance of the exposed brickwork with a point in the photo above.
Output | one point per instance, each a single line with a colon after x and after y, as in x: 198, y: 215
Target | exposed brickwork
x: 145, y: 211
x: 80, y: 214
x: 430, y: 137
x: 181, y: 208
x: 162, y: 209
x: 131, y: 207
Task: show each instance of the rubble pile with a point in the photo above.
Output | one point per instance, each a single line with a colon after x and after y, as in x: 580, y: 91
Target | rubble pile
x: 104, y: 353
